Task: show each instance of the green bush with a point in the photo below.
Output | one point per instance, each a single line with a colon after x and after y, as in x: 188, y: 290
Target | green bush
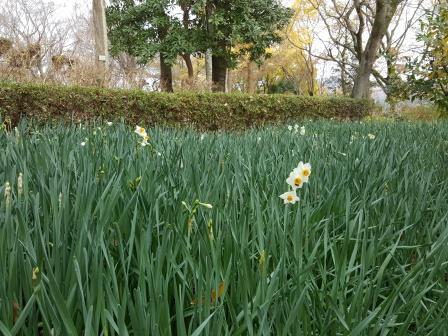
x: 204, y: 111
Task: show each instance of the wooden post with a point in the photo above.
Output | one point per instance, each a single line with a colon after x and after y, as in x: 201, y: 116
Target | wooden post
x: 101, y: 45
x: 208, y: 68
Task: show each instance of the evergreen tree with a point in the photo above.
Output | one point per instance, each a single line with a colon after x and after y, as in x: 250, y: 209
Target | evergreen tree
x: 239, y: 27
x: 147, y: 28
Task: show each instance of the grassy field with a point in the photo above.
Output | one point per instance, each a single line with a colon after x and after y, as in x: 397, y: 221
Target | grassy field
x: 101, y: 236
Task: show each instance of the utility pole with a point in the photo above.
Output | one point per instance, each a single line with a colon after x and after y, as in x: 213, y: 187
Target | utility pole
x: 101, y: 43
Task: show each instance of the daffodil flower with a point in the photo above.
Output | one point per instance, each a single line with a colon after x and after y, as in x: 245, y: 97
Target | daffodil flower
x: 302, y: 130
x: 304, y: 170
x: 140, y: 131
x: 290, y: 128
x: 7, y: 194
x: 289, y: 197
x: 371, y: 136
x: 295, y: 179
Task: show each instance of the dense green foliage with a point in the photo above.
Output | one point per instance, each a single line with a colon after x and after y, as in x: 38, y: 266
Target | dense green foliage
x: 172, y: 28
x: 242, y: 27
x: 135, y: 27
x: 203, y: 111
x: 429, y: 72
x: 145, y: 28
x: 95, y: 238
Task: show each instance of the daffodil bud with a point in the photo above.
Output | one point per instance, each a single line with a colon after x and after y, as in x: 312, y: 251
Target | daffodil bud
x: 206, y: 205
x: 35, y: 273
x: 211, y: 236
x: 7, y: 194
x: 20, y: 184
x: 262, y: 259
x: 60, y: 200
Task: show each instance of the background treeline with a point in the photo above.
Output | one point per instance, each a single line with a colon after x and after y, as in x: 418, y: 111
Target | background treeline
x: 303, y: 47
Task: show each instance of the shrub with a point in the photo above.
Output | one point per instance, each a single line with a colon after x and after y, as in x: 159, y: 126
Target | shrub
x: 201, y: 110
x: 407, y: 112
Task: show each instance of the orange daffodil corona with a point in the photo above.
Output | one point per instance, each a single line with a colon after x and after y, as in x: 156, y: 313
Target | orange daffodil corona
x: 296, y: 179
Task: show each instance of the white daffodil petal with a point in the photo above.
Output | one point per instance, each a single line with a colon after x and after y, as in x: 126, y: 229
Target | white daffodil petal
x: 295, y: 179
x: 306, y: 171
x: 140, y: 131
x: 289, y: 197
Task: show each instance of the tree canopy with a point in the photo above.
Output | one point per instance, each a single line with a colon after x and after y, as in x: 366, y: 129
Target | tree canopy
x: 429, y: 72
x: 229, y: 28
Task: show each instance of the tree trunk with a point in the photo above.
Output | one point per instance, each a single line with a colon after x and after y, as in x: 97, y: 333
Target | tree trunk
x: 166, y: 76
x: 186, y: 7
x: 251, y: 81
x: 219, y: 73
x: 189, y: 64
x: 361, y: 87
x: 385, y: 10
x: 345, y: 91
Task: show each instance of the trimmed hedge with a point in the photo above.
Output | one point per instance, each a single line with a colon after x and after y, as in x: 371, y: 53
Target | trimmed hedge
x: 205, y: 111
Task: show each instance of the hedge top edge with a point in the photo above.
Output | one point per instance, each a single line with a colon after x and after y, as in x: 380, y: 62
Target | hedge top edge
x: 204, y: 111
